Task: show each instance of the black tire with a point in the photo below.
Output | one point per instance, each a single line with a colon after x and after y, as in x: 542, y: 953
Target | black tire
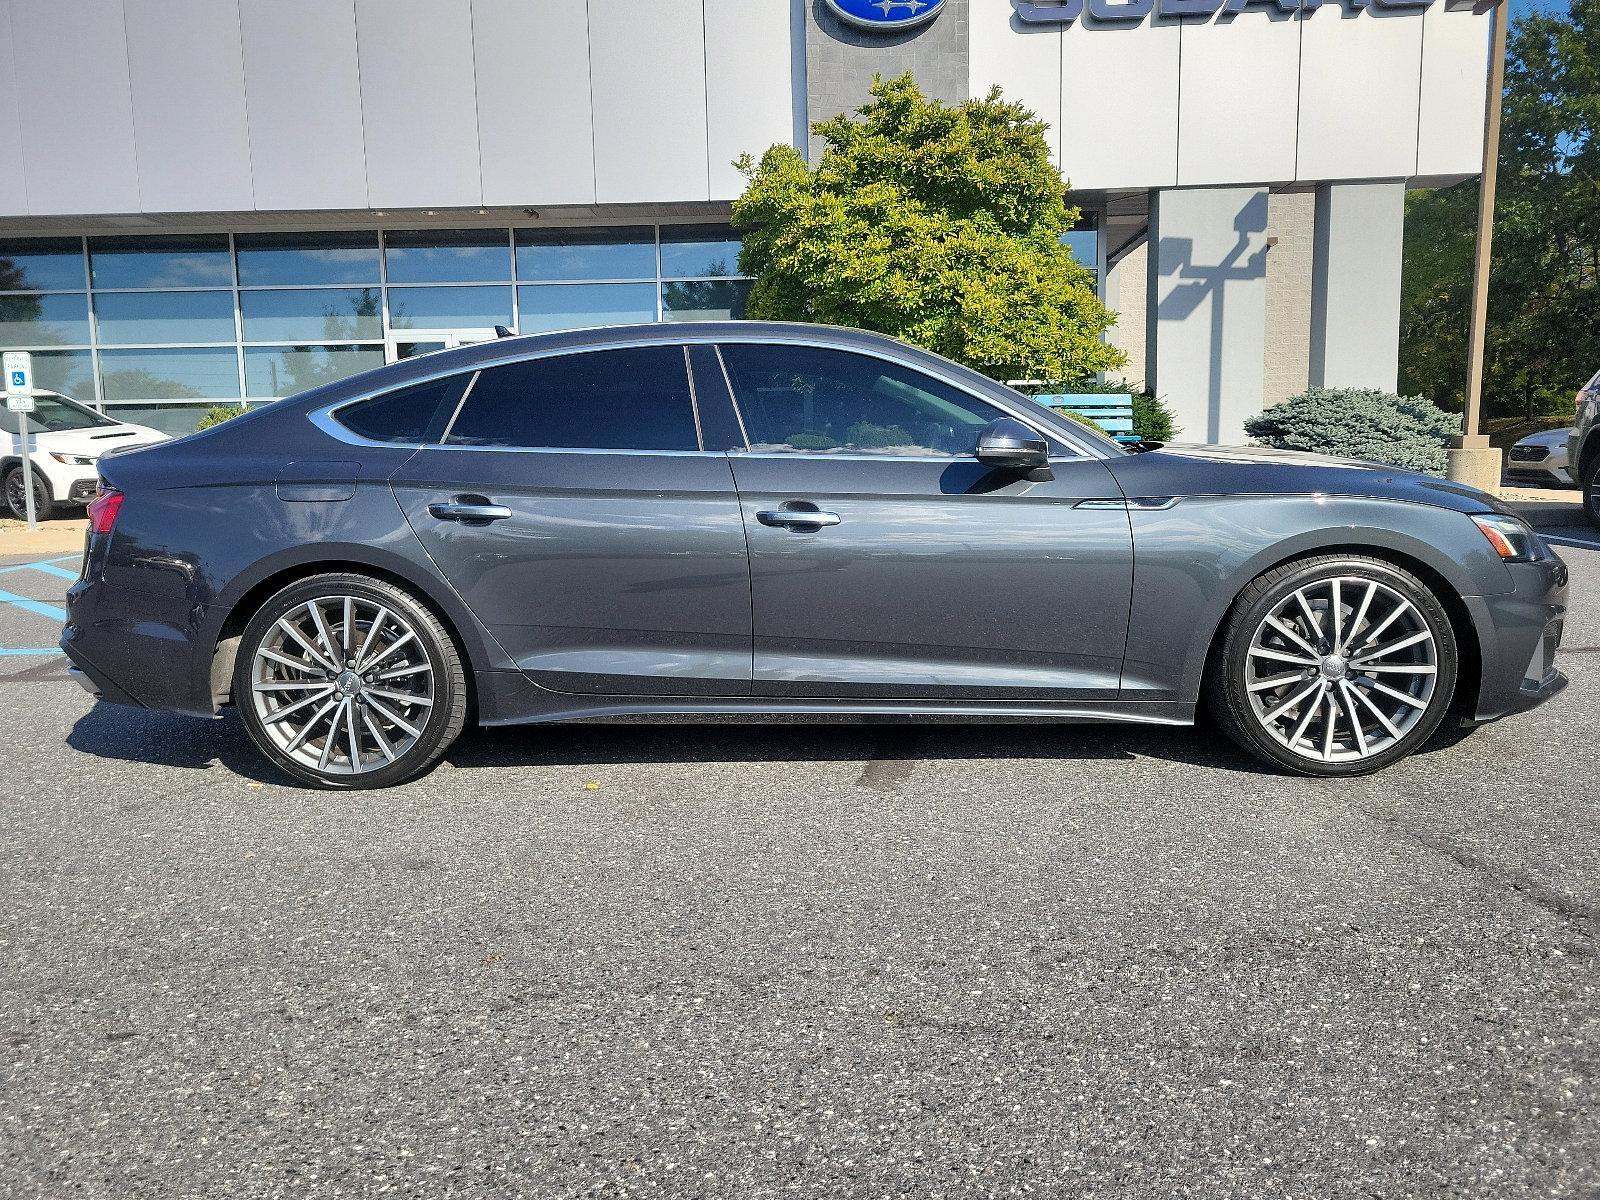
x: 1591, y: 488
x: 16, y: 500
x: 1229, y: 698
x: 448, y: 705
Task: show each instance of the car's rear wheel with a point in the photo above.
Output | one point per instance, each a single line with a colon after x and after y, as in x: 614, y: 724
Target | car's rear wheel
x: 345, y: 681
x: 1591, y: 489
x: 1336, y: 665
x: 17, y: 498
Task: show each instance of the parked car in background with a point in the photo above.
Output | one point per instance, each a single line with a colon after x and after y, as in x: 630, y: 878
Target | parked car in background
x: 782, y: 520
x: 1540, y: 460
x: 1583, y: 448
x: 69, y: 440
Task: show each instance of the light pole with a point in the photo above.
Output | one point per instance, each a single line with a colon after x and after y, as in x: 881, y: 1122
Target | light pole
x: 1472, y: 459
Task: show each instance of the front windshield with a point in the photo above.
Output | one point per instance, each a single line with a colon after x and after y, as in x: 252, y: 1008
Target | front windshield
x: 57, y: 414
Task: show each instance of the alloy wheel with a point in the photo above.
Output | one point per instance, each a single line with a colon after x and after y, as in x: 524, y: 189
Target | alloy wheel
x: 17, y: 500
x: 342, y: 684
x: 1341, y: 669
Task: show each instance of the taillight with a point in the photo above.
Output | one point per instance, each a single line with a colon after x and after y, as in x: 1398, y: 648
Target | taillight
x: 103, y: 510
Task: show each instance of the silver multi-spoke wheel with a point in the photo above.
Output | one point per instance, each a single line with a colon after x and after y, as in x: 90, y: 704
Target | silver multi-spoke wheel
x: 1341, y: 669
x: 342, y: 684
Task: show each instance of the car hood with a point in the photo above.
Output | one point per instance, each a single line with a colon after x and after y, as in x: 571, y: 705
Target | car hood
x: 97, y: 443
x: 1179, y: 470
x: 1550, y: 437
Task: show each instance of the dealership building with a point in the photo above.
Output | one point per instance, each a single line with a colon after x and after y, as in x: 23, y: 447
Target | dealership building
x: 216, y: 201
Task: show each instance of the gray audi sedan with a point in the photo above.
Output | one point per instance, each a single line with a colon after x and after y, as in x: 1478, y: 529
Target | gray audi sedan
x: 747, y: 519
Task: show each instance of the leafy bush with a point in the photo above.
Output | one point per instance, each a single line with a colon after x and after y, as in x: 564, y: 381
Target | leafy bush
x: 1152, y: 419
x: 1082, y: 420
x: 1402, y: 431
x: 217, y: 414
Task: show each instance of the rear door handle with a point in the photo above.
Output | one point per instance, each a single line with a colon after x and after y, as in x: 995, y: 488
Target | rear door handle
x: 461, y: 510
x: 798, y: 518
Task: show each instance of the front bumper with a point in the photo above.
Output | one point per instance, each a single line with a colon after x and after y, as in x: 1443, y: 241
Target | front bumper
x: 1519, y: 633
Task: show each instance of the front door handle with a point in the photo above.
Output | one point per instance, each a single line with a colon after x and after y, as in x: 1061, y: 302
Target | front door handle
x: 468, y: 511
x: 798, y: 518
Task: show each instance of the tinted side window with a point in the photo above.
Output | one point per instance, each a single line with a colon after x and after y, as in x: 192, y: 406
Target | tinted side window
x: 631, y: 399
x: 410, y: 415
x: 805, y: 399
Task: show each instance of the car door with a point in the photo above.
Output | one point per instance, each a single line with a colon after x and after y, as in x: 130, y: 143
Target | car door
x: 925, y: 574
x: 572, y: 507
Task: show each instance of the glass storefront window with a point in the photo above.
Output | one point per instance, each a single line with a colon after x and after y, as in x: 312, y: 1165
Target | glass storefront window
x: 334, y: 314
x: 564, y: 254
x: 175, y: 420
x: 70, y: 372
x: 704, y: 300
x: 148, y: 318
x: 698, y: 251
x: 52, y: 320
x: 448, y: 255
x: 449, y: 307
x: 277, y: 259
x: 277, y: 371
x: 41, y: 264
x: 185, y: 374
x: 544, y: 307
x: 161, y: 262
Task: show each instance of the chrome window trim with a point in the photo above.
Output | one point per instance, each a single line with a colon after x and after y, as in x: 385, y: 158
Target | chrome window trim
x: 324, y: 417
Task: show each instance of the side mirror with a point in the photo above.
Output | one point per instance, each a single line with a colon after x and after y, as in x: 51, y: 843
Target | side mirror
x: 1009, y: 445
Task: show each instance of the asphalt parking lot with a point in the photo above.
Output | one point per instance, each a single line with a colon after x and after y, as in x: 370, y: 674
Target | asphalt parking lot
x: 761, y: 961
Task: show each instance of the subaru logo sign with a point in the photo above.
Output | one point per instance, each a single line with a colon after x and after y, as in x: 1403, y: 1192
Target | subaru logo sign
x: 886, y: 16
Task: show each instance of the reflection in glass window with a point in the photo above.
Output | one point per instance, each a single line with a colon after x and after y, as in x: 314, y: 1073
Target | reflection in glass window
x: 161, y: 262
x: 70, y: 372
x: 547, y: 306
x: 447, y: 255
x: 694, y: 251
x: 145, y: 318
x: 332, y: 314
x: 1085, y: 246
x: 306, y: 258
x: 413, y: 414
x: 189, y: 374
x: 173, y: 419
x: 41, y: 264
x: 56, y: 320
x: 586, y: 253
x: 704, y: 300
x: 449, y: 307
x: 54, y: 414
x: 273, y: 371
x: 807, y: 399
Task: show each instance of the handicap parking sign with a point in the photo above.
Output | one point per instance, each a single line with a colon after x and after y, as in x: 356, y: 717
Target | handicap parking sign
x: 19, y: 379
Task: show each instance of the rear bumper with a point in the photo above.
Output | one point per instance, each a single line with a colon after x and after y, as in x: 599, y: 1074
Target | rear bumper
x: 1519, y: 633
x: 136, y: 647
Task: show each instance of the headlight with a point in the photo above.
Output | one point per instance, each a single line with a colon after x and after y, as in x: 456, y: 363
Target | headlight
x: 74, y: 460
x: 1513, y: 540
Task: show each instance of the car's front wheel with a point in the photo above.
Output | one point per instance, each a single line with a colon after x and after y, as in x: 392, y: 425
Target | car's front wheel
x: 1335, y: 665
x: 345, y: 681
x: 17, y: 497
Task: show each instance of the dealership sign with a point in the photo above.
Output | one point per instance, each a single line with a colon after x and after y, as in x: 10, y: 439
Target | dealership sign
x: 885, y: 16
x: 1128, y: 12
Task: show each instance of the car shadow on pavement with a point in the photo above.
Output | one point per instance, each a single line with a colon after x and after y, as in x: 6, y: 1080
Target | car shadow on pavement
x: 125, y: 734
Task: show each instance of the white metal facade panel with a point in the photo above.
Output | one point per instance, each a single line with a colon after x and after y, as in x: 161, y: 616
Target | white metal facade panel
x: 749, y: 89
x: 418, y: 105
x: 1359, y: 78
x: 303, y: 98
x: 1455, y: 51
x: 1119, y: 104
x: 186, y: 71
x: 647, y: 72
x: 1024, y: 60
x: 75, y: 105
x: 13, y: 180
x: 535, y: 135
x: 1240, y: 85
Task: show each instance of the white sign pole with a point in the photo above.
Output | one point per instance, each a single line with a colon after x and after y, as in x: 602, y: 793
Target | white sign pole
x: 18, y: 365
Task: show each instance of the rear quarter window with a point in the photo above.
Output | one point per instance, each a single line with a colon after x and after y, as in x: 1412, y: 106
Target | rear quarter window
x: 409, y: 416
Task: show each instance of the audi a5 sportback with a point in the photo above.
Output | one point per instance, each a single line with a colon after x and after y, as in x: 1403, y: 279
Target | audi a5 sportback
x: 775, y: 519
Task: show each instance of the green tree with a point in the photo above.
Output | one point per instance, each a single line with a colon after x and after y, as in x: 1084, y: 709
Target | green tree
x: 1543, y: 337
x: 937, y: 224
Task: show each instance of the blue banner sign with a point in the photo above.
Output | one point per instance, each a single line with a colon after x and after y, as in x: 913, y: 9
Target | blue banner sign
x: 1129, y: 12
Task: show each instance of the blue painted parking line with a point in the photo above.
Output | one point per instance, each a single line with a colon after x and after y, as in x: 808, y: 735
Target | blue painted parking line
x: 45, y: 567
x: 29, y: 653
x: 34, y: 606
x: 1576, y: 543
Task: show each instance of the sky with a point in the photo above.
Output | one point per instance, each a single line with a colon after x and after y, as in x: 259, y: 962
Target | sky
x: 1521, y: 7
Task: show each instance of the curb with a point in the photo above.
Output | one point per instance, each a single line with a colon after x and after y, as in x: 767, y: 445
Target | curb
x: 54, y: 537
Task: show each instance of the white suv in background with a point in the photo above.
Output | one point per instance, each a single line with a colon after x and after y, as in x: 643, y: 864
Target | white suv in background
x: 69, y: 439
